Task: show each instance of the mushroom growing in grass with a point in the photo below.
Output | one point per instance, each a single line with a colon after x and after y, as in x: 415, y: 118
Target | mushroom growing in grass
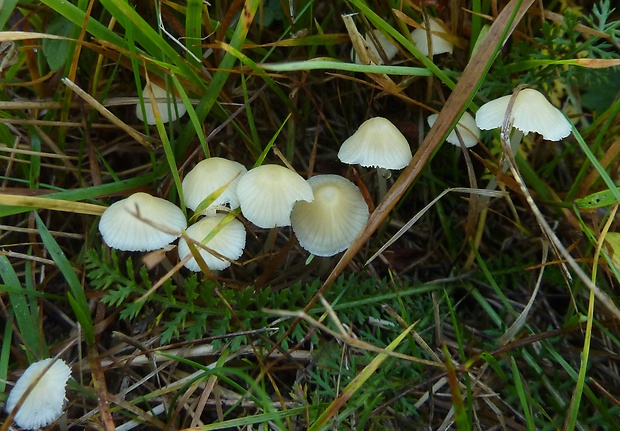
x: 227, y: 240
x: 377, y: 143
x: 209, y: 176
x: 439, y: 44
x: 267, y: 194
x: 167, y: 112
x: 531, y: 112
x: 467, y: 128
x: 45, y: 382
x: 335, y: 217
x: 141, y: 222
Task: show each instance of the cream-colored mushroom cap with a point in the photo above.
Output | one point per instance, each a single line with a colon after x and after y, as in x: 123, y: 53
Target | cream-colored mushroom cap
x: 531, y: 112
x: 467, y: 128
x: 43, y: 405
x: 229, y: 242
x: 376, y: 143
x: 122, y: 230
x: 162, y: 107
x: 331, y: 222
x: 208, y: 176
x: 267, y: 194
x: 388, y: 47
x: 440, y: 45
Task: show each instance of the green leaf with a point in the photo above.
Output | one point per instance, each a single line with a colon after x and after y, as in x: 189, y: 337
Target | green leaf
x: 56, y: 51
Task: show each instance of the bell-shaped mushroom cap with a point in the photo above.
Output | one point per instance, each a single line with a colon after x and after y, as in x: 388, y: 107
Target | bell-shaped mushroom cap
x: 159, y: 93
x: 229, y: 242
x: 331, y: 222
x: 43, y: 404
x: 467, y: 127
x: 267, y: 194
x: 207, y: 177
x: 388, y: 47
x: 440, y: 45
x: 531, y: 112
x: 122, y: 230
x: 376, y: 143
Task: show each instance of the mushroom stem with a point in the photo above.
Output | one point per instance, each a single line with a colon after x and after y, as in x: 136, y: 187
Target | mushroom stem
x: 382, y: 176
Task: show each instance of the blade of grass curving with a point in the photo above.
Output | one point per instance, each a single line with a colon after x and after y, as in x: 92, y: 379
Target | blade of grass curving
x: 357, y: 383
x: 27, y: 319
x: 219, y: 78
x: 51, y: 204
x: 77, y: 298
x: 520, y: 387
x: 571, y: 419
x: 321, y: 63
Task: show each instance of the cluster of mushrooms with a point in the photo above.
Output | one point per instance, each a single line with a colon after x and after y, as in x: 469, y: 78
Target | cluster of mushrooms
x: 326, y: 212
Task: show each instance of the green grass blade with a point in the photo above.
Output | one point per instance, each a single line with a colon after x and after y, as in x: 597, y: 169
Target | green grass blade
x: 529, y: 420
x: 78, y: 300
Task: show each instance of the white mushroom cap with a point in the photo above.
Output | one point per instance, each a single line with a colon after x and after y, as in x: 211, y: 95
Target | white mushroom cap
x: 122, y: 230
x: 43, y: 404
x: 331, y: 222
x: 388, y: 47
x: 440, y: 45
x: 467, y: 128
x: 229, y: 242
x: 267, y: 194
x: 162, y: 107
x: 376, y: 143
x: 531, y: 112
x: 207, y: 177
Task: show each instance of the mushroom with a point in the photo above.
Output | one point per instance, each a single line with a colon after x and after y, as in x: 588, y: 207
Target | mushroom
x: 141, y: 222
x: 376, y: 143
x: 229, y: 241
x: 267, y: 194
x: 331, y: 222
x: 467, y: 128
x: 207, y: 178
x: 531, y: 112
x: 373, y: 39
x: 439, y: 45
x: 167, y: 112
x: 45, y: 380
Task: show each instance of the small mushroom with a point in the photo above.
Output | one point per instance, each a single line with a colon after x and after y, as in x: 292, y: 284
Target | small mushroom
x: 440, y: 45
x: 207, y: 177
x: 376, y: 143
x: 43, y: 404
x: 531, y: 112
x: 389, y: 49
x: 157, y: 224
x: 469, y: 131
x: 267, y: 194
x: 229, y: 241
x: 176, y: 111
x: 335, y: 217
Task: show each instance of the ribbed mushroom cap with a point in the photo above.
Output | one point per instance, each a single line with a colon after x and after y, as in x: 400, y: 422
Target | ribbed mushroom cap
x: 467, y: 128
x: 267, y: 194
x: 159, y: 93
x: 208, y: 176
x: 388, y: 47
x: 531, y: 112
x: 440, y: 45
x: 229, y: 242
x: 44, y: 402
x: 331, y: 222
x: 376, y: 143
x: 122, y: 230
